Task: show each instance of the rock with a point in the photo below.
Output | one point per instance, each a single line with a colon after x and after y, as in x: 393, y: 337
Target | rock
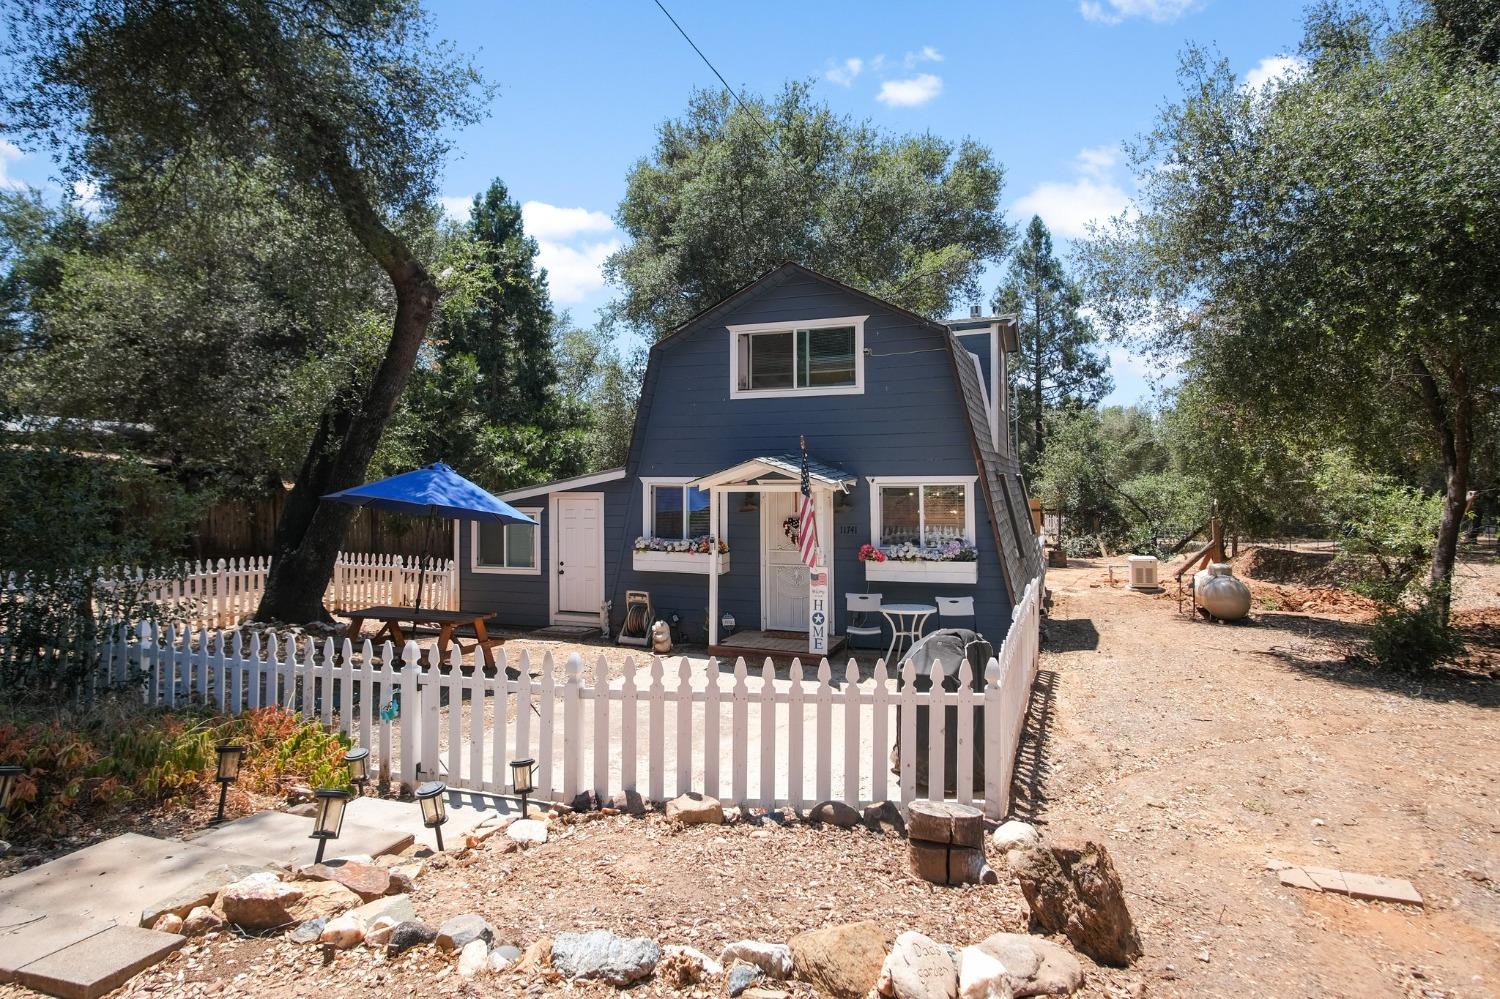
x: 307, y: 932
x: 260, y: 902
x: 473, y: 958
x: 457, y: 932
x: 981, y: 976
x: 695, y: 809
x: 398, y: 907
x: 299, y: 794
x: 842, y: 961
x: 918, y: 967
x: 1072, y: 888
x: 602, y: 956
x: 202, y: 891
x: 708, y: 965
x: 884, y: 816
x: 407, y: 934
x: 323, y: 898
x: 633, y: 804
x: 585, y: 801
x: 772, y: 958
x: 527, y: 831
x: 498, y: 962
x: 1015, y: 835
x: 168, y: 922
x: 1034, y: 966
x: 834, y: 813
x: 200, y: 921
x: 510, y: 952
x: 678, y: 970
x: 537, y: 956
x: 379, y: 932
x: 741, y: 977
x: 403, y: 881
x: 366, y: 880
x: 342, y: 932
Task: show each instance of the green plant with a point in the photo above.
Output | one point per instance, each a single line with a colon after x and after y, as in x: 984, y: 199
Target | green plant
x: 1413, y: 636
x: 89, y: 762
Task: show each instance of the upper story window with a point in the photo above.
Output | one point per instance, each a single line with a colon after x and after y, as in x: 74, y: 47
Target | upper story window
x: 822, y: 358
x: 506, y: 548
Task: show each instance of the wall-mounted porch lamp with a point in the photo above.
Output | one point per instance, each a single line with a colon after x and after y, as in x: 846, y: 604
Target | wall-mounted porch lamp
x: 330, y: 818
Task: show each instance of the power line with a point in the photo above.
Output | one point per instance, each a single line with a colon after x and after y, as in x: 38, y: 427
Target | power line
x: 754, y: 114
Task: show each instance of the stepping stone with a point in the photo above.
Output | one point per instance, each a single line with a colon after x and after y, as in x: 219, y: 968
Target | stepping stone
x: 1370, y: 886
x: 279, y: 838
x: 111, y: 881
x: 99, y: 963
x: 27, y: 936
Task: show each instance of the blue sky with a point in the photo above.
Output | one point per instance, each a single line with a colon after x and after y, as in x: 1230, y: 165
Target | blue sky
x: 1052, y: 86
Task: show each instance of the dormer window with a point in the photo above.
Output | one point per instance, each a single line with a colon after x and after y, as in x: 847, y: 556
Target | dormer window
x: 818, y: 358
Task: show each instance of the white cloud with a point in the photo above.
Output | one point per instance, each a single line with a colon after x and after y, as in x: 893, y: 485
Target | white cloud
x: 9, y: 153
x: 927, y: 54
x: 1115, y: 11
x: 544, y: 221
x: 86, y: 195
x: 456, y: 207
x: 1275, y: 70
x: 844, y: 73
x: 1069, y: 206
x: 910, y: 93
x: 574, y: 272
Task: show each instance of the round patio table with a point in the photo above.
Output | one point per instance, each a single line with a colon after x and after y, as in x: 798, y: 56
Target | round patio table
x: 907, y: 621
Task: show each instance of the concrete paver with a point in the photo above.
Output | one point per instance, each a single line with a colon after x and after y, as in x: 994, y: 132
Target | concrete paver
x: 110, y: 881
x: 280, y: 838
x: 28, y: 936
x: 99, y: 963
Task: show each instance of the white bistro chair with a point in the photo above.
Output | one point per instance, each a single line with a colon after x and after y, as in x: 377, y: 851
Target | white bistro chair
x: 951, y: 607
x: 864, y: 616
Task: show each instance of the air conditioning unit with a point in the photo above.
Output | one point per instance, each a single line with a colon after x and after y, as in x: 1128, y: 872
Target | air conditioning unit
x: 1143, y: 572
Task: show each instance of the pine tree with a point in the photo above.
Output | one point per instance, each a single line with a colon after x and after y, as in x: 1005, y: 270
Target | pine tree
x: 1058, y: 364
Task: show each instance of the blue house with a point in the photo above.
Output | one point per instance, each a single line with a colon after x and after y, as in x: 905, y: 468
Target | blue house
x: 909, y: 456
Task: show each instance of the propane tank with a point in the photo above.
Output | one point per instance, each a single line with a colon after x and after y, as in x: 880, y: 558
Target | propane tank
x: 1220, y: 593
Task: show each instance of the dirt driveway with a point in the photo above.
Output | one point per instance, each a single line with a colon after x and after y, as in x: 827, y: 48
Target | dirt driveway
x: 1202, y: 752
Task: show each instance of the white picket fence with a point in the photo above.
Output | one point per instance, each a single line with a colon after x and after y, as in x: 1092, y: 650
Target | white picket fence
x: 752, y: 736
x: 220, y: 595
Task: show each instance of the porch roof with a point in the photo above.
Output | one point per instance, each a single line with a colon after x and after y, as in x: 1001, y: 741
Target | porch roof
x: 749, y: 472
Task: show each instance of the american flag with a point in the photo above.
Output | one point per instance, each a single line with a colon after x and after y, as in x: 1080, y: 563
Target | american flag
x: 807, y: 519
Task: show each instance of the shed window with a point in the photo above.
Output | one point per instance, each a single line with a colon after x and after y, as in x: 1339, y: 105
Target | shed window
x: 507, y: 547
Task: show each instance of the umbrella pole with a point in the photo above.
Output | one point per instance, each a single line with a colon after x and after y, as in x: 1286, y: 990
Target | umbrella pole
x: 422, y: 564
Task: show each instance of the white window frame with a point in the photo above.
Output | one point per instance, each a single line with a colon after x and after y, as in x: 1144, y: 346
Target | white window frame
x: 535, y: 569
x: 735, y: 332
x: 969, y: 482
x: 648, y: 510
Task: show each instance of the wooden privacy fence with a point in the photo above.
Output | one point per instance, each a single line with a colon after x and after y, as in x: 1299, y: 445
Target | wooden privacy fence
x: 658, y: 727
x: 209, y: 595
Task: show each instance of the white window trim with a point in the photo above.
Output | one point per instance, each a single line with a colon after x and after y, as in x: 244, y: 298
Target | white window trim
x: 735, y: 332
x: 535, y: 569
x: 969, y: 482
x: 647, y: 510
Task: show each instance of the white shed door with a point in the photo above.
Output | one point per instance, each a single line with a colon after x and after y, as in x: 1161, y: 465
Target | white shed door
x: 580, y: 576
x: 786, y: 576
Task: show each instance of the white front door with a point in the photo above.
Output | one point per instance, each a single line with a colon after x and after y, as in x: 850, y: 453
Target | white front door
x: 785, y: 575
x: 580, y: 574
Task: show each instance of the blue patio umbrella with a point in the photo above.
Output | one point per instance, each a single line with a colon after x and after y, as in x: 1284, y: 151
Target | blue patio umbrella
x: 434, y: 491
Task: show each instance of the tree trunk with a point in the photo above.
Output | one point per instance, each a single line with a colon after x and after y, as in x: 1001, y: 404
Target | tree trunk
x: 1454, y: 426
x: 1037, y: 441
x: 309, y: 533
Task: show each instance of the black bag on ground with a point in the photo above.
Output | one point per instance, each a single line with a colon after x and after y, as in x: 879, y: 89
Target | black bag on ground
x: 947, y: 647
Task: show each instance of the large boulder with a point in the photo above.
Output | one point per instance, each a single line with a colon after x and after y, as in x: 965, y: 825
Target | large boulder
x: 1034, y: 966
x: 602, y: 956
x: 842, y: 961
x: 773, y: 958
x: 260, y: 902
x: 695, y: 809
x: 1072, y: 888
x: 203, y: 890
x: 918, y: 967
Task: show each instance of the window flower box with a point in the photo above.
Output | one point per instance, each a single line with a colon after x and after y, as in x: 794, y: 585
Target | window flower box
x: 690, y: 555
x: 955, y: 562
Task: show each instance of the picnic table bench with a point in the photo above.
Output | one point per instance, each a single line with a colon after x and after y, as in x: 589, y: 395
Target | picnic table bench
x: 392, y: 618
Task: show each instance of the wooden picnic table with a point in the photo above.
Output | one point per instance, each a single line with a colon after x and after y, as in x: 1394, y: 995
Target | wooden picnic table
x: 392, y: 618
